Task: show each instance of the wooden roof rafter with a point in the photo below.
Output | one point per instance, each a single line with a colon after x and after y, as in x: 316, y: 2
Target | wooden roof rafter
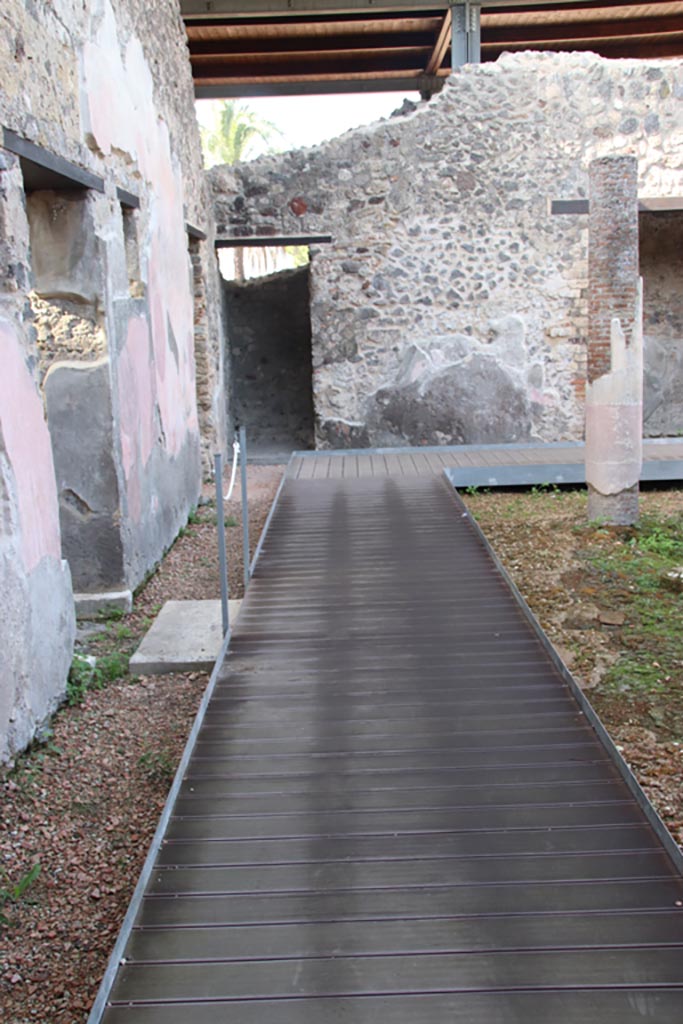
x: 261, y: 47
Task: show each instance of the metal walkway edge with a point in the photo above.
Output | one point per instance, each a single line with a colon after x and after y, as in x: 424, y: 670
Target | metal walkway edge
x: 484, y: 465
x: 396, y: 812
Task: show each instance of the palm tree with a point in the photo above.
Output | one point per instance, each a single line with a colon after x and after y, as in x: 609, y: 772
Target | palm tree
x: 236, y: 130
x: 235, y: 134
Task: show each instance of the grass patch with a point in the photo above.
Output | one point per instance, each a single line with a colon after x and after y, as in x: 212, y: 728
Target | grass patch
x: 631, y: 564
x: 93, y: 674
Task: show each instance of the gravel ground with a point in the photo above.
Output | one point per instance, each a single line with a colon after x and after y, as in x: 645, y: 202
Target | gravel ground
x: 84, y: 804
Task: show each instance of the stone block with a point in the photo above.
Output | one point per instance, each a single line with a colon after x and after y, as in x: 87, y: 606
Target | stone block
x: 65, y: 251
x: 79, y: 414
x: 88, y: 606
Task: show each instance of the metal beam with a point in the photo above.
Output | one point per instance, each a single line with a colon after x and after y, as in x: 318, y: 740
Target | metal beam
x: 570, y: 207
x: 646, y: 204
x: 45, y: 170
x: 128, y: 199
x: 258, y: 241
x: 466, y: 37
x: 193, y: 10
x: 326, y: 66
x: 458, y: 36
x: 308, y: 45
x: 473, y: 33
x: 424, y: 84
x: 200, y: 10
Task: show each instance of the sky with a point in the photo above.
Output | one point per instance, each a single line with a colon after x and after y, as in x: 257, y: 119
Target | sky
x: 307, y: 120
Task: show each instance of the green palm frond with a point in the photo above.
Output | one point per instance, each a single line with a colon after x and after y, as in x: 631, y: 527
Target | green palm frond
x: 235, y: 131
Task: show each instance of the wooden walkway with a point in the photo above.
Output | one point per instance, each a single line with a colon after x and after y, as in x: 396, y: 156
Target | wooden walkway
x: 396, y: 812
x: 495, y: 465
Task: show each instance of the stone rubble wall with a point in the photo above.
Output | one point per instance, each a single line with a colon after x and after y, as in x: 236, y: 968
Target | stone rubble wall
x: 451, y: 306
x: 99, y: 323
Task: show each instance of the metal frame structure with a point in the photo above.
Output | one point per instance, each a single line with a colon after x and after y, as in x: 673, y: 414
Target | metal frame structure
x: 285, y: 47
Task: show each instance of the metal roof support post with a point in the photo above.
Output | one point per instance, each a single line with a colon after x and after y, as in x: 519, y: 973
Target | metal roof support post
x: 459, y: 36
x: 466, y: 34
x: 473, y: 33
x: 222, y: 556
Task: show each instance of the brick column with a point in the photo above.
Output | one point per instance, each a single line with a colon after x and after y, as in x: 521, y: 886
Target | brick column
x: 614, y: 393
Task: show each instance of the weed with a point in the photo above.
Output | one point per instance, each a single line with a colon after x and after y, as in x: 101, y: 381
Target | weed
x: 81, y: 679
x: 92, y: 674
x: 123, y: 633
x: 230, y: 521
x: 112, y: 666
x: 632, y: 567
x: 15, y: 893
x: 663, y: 538
x: 158, y: 766
x: 635, y: 676
x: 472, y: 490
x: 111, y: 614
x: 194, y: 517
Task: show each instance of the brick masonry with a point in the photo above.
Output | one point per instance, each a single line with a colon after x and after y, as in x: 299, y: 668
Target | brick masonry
x: 614, y: 395
x: 613, y: 265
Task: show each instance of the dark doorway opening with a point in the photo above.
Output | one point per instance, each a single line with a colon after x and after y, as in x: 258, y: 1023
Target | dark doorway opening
x: 269, y: 341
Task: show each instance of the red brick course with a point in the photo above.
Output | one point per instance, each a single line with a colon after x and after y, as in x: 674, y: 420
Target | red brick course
x: 612, y: 255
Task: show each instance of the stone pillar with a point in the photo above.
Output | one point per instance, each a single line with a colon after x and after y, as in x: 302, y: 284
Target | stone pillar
x: 614, y: 392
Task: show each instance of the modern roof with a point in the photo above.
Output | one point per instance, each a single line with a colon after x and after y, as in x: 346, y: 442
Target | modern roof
x: 270, y: 47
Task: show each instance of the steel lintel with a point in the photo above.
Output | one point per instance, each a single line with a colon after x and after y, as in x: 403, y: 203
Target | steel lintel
x: 424, y: 84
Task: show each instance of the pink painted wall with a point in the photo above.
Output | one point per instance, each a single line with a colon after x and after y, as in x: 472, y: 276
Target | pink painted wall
x: 137, y: 388
x: 28, y: 448
x: 120, y: 112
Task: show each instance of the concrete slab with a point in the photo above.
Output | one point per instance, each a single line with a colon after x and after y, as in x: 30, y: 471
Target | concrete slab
x: 186, y: 636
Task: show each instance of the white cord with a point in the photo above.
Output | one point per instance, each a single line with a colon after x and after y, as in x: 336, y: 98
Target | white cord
x: 235, y: 453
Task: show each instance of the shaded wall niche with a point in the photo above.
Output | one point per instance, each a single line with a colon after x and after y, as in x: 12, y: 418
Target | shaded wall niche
x: 67, y: 307
x: 269, y: 336
x: 661, y: 267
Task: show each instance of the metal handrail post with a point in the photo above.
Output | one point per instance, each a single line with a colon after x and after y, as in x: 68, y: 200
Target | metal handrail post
x: 222, y: 558
x: 245, y: 504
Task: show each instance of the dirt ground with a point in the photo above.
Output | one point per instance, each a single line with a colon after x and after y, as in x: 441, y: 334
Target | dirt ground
x: 603, y: 598
x: 84, y: 804
x: 79, y: 810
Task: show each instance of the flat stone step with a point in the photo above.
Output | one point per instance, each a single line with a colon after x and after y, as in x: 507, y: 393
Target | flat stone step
x: 186, y: 636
